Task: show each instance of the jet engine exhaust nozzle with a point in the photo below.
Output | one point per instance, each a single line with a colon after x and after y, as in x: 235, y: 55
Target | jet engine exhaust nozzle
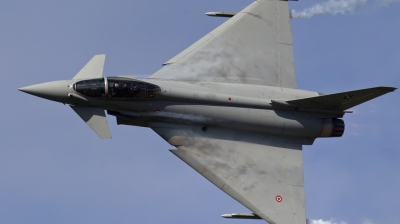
x: 332, y: 127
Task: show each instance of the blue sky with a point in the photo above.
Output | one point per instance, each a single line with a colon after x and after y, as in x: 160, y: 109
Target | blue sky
x: 54, y: 169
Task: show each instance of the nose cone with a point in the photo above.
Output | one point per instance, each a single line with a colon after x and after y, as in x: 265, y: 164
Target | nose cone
x: 57, y: 91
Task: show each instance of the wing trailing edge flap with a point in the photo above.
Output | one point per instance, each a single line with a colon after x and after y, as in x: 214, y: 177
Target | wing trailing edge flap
x: 338, y: 101
x: 268, y: 180
x: 253, y: 47
x: 96, y: 119
x: 93, y: 69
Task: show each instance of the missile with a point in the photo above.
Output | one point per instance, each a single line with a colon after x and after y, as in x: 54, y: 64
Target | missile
x: 221, y: 14
x: 241, y: 216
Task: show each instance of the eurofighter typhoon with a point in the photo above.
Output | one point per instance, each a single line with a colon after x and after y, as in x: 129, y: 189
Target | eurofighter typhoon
x: 229, y: 104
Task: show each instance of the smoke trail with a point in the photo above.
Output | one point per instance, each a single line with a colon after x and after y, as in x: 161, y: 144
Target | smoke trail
x: 335, y: 7
x: 366, y: 221
x: 324, y: 222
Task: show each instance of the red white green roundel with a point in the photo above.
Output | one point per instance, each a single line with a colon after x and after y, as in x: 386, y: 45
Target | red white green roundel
x: 278, y: 198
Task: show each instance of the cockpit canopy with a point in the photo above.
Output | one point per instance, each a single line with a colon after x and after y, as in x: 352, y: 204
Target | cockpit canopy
x: 118, y: 88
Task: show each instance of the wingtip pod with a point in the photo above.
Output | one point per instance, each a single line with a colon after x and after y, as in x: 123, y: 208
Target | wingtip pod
x: 221, y: 14
x: 241, y: 216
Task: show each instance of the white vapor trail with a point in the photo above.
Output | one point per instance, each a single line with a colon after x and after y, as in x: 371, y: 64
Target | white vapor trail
x: 324, y: 222
x: 335, y: 7
x: 366, y: 221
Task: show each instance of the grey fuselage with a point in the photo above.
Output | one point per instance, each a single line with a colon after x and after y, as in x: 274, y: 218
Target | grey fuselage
x: 235, y: 107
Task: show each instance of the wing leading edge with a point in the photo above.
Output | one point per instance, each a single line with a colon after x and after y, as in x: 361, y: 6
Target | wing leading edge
x: 264, y: 175
x: 253, y: 47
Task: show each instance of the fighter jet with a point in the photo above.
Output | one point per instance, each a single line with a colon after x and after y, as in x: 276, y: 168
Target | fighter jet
x: 230, y: 106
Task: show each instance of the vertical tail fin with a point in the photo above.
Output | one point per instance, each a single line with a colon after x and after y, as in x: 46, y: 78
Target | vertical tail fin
x: 340, y: 101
